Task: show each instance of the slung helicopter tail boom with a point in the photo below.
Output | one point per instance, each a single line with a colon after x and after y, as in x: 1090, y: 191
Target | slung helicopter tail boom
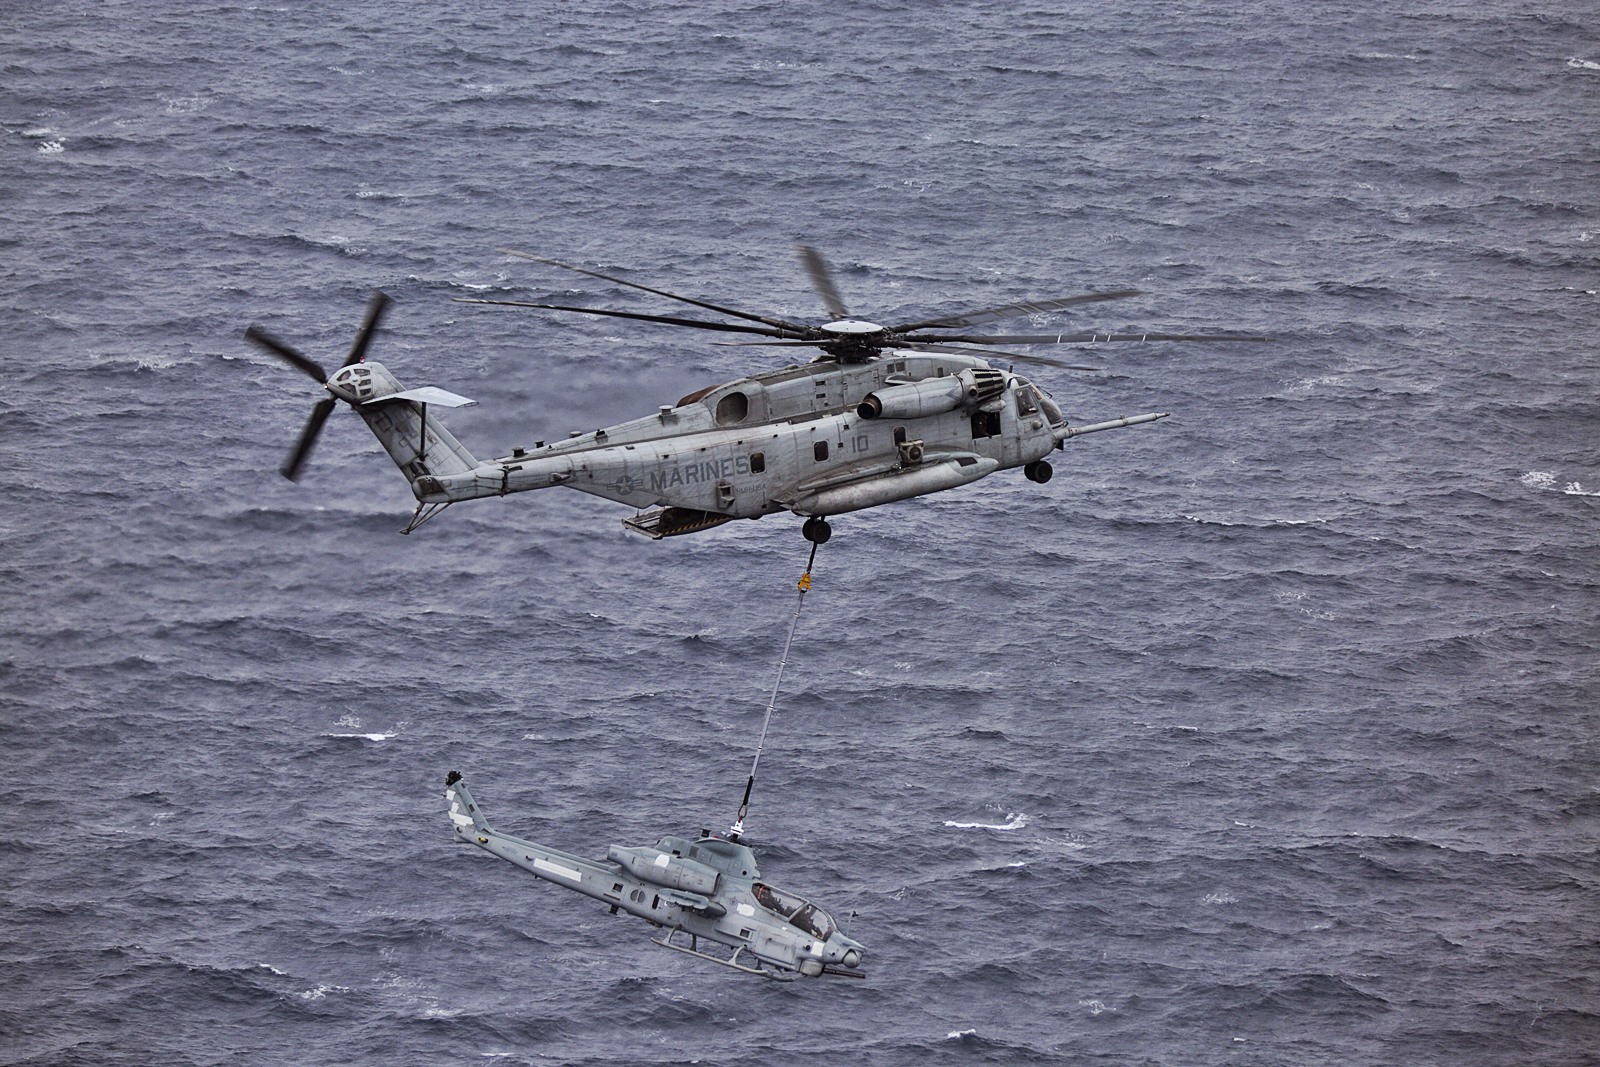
x: 562, y: 868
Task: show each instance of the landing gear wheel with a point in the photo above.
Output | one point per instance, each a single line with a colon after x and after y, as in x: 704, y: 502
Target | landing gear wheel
x: 1038, y: 471
x: 816, y: 530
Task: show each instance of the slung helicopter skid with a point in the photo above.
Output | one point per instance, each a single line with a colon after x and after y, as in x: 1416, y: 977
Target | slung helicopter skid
x: 693, y: 949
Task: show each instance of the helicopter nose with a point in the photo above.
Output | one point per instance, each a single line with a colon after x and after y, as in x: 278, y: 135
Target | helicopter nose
x: 851, y: 959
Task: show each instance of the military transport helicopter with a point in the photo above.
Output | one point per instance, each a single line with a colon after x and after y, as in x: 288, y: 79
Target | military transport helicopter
x: 707, y: 888
x: 883, y: 414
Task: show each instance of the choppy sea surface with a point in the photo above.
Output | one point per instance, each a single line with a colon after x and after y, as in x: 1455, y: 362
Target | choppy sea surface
x: 1262, y: 735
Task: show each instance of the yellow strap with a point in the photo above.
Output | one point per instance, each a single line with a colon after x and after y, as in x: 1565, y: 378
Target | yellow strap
x: 805, y: 582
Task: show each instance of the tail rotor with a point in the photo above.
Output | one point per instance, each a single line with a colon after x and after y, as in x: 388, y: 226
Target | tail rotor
x: 319, y: 414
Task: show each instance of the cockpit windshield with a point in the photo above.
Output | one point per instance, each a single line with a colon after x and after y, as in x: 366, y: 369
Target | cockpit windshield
x: 1027, y: 399
x: 1031, y: 398
x: 1051, y: 409
x: 801, y: 913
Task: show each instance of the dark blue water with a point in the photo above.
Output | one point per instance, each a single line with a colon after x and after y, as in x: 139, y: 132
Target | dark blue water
x: 1263, y: 735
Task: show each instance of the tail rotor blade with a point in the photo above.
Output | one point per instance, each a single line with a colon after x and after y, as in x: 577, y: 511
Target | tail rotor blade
x: 308, y: 366
x: 308, y: 437
x: 375, y: 309
x: 312, y: 369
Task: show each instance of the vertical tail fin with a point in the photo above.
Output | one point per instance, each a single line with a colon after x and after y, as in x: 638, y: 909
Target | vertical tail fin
x: 414, y: 436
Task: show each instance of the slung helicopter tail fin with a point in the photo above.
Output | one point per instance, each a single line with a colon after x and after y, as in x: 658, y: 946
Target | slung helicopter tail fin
x: 464, y: 811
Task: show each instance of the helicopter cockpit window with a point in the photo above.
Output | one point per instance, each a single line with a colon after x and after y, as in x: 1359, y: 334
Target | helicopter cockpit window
x: 1027, y: 400
x: 732, y: 409
x: 801, y: 913
x: 1052, y: 410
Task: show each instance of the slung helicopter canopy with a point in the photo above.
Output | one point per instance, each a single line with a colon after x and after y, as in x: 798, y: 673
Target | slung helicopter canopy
x: 801, y: 913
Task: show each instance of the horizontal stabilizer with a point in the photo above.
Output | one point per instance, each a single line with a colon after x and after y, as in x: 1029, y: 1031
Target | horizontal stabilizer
x: 426, y: 394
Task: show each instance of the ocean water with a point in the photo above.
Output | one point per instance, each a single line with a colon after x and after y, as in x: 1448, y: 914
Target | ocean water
x: 1262, y: 735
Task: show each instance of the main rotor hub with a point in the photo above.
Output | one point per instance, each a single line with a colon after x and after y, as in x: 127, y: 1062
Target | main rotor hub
x: 853, y: 340
x: 852, y: 328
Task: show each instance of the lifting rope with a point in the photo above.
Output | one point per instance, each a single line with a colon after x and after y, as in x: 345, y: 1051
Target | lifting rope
x: 804, y: 586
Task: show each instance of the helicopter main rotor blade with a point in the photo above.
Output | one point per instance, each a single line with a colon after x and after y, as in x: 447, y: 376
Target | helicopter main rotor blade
x: 1020, y: 357
x: 308, y: 437
x: 1007, y: 311
x: 311, y: 368
x: 670, y: 320
x: 822, y: 281
x: 1086, y: 338
x: 375, y: 308
x: 768, y: 344
x: 781, y: 324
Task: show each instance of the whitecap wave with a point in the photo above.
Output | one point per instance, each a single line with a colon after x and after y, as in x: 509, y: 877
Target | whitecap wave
x: 353, y: 726
x: 321, y: 991
x: 1538, y: 480
x: 1014, y: 821
x: 1547, y: 481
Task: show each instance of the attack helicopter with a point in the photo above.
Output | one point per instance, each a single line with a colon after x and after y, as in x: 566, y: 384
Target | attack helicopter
x: 884, y: 413
x: 705, y: 889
